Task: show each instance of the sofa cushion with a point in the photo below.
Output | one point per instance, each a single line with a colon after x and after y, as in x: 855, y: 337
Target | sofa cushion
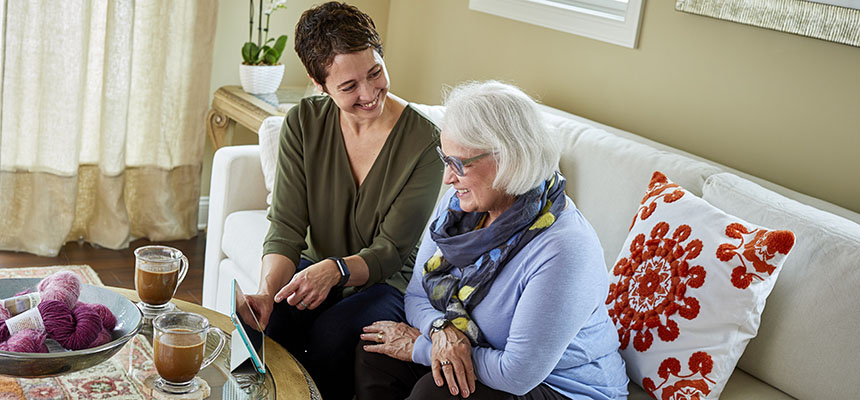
x: 605, y: 175
x: 268, y: 135
x: 808, y: 339
x: 435, y: 113
x: 242, y: 242
x: 688, y: 289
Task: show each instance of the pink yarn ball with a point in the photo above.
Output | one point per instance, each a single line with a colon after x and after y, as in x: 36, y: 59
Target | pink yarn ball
x: 63, y: 286
x: 26, y: 341
x: 4, y: 313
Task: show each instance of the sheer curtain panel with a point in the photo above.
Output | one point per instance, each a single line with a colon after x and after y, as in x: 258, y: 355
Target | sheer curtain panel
x: 102, y: 120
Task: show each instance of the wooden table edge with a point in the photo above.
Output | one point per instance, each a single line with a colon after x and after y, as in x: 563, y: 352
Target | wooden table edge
x: 289, y: 378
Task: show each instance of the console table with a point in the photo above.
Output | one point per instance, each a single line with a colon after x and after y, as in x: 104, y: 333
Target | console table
x: 231, y: 105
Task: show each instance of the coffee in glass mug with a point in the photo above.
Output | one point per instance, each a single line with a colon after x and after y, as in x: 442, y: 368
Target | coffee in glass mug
x: 158, y: 272
x: 178, y: 350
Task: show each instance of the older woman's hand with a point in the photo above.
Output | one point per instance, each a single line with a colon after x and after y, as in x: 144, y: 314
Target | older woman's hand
x: 451, y: 357
x: 395, y: 339
x: 309, y: 287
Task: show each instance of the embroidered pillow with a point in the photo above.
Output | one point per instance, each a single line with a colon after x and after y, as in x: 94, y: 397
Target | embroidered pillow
x: 688, y: 290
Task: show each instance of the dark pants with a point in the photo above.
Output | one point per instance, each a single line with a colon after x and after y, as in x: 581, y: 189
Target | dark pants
x: 379, y: 377
x: 324, y: 339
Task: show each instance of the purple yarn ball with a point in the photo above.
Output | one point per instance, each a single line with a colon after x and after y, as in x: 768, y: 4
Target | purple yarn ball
x: 74, y: 329
x: 63, y: 286
x: 102, y: 338
x: 26, y: 341
x: 108, y: 319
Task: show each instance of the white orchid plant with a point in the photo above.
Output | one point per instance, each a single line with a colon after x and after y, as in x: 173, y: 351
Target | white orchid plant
x: 261, y: 52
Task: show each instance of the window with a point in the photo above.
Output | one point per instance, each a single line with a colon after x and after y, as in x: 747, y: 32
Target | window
x: 613, y: 21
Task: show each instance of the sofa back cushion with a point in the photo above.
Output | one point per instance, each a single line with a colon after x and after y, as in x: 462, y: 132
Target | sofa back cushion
x: 808, y: 339
x: 605, y: 175
x: 268, y: 136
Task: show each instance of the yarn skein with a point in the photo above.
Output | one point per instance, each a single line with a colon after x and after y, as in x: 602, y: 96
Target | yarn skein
x: 26, y: 341
x: 108, y: 322
x: 74, y: 325
x: 74, y: 329
x: 63, y: 286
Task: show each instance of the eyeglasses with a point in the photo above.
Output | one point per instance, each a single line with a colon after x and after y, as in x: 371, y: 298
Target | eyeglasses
x: 455, y: 163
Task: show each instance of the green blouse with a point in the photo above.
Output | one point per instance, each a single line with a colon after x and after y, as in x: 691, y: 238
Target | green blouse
x: 317, y: 210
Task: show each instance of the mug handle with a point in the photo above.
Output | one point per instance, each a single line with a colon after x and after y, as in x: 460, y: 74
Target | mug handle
x: 183, y: 269
x: 222, y: 339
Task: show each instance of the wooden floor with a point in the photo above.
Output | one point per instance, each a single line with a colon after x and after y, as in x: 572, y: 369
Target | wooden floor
x: 116, y: 267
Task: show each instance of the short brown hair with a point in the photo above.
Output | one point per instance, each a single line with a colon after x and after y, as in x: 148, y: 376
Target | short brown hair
x: 330, y: 29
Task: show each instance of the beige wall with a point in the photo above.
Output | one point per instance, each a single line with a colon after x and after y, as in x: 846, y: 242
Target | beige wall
x: 782, y: 107
x: 232, y: 32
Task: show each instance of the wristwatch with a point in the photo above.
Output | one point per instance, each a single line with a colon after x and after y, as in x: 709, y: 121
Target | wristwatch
x: 438, y: 324
x: 344, y: 271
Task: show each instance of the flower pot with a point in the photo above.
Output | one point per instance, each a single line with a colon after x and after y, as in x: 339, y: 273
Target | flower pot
x: 261, y: 79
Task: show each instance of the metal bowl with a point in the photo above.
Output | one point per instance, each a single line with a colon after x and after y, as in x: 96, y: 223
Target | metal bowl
x: 38, y: 365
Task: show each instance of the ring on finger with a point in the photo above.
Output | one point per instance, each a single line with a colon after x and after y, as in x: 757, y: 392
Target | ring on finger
x: 380, y: 337
x: 445, y: 362
x: 303, y: 304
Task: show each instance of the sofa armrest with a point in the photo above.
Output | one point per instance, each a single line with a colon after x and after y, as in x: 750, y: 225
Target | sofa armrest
x: 237, y: 184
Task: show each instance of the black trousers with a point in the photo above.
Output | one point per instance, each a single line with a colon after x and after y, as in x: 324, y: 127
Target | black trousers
x: 324, y: 339
x: 379, y: 377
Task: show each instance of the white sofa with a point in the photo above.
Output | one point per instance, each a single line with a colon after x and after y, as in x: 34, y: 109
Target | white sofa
x: 807, y: 346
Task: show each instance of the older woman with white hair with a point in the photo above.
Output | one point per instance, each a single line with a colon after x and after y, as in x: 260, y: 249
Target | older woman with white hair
x: 509, y: 301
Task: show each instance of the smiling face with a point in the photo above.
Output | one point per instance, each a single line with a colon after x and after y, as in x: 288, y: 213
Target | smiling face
x: 358, y: 84
x: 475, y: 188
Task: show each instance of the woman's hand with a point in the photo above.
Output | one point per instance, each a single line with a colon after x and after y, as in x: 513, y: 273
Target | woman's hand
x: 395, y: 339
x: 262, y: 306
x: 451, y: 359
x: 309, y: 287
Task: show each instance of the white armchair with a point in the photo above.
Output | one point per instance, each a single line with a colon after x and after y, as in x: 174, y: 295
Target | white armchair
x: 237, y: 185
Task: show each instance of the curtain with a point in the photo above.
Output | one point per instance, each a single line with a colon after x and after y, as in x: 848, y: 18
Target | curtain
x: 102, y: 120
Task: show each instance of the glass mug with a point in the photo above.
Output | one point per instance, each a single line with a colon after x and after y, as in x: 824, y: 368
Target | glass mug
x: 158, y: 272
x: 178, y: 347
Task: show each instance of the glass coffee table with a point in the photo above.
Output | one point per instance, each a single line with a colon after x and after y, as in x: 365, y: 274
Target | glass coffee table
x: 286, y: 378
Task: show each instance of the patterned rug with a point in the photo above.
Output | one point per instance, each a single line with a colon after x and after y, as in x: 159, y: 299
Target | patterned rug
x: 108, y: 380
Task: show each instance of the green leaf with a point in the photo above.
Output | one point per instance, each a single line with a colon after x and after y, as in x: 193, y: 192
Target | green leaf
x: 270, y: 58
x: 280, y: 45
x: 250, y: 53
x: 273, y: 54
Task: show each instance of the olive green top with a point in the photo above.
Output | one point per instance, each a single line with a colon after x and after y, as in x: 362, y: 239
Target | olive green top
x: 317, y: 210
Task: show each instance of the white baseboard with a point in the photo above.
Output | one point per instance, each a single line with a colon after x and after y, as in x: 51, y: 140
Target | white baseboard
x: 203, y: 213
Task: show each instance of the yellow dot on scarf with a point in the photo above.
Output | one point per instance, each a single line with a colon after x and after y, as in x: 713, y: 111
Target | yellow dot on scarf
x: 543, y: 221
x: 461, y: 323
x: 465, y: 292
x: 432, y: 264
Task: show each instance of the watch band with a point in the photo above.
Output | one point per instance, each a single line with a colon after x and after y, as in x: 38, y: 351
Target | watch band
x: 344, y: 270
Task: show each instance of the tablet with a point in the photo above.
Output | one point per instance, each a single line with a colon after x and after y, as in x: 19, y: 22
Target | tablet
x: 249, y: 329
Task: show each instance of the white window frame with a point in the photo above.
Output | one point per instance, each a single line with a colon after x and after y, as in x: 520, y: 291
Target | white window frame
x: 622, y: 30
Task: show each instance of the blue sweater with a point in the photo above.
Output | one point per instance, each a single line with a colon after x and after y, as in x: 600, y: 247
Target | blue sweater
x: 544, y: 316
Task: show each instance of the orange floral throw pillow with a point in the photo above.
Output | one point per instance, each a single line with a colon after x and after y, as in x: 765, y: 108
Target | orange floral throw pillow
x: 688, y: 290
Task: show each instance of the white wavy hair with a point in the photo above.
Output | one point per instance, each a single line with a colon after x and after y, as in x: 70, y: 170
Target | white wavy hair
x: 499, y: 118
